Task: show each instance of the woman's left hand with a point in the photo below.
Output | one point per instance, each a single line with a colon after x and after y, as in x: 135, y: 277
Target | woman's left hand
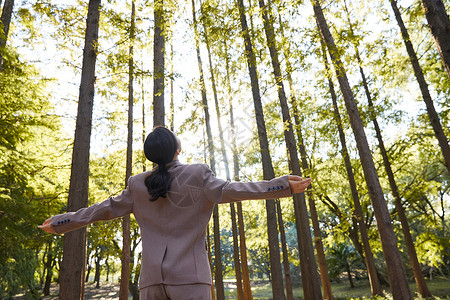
x: 47, y: 226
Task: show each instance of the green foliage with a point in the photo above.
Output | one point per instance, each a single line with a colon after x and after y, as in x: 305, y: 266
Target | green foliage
x: 29, y: 189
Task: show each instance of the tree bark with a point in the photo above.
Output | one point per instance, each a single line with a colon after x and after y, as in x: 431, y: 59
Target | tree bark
x: 418, y: 276
x: 5, y: 21
x: 439, y: 24
x: 432, y: 114
x: 220, y: 290
x: 287, y: 268
x: 97, y: 268
x: 247, y: 291
x: 397, y: 277
x: 158, y: 64
x: 208, y: 238
x: 74, y: 249
x: 368, y: 255
x: 268, y: 172
x: 312, y: 284
x: 126, y: 246
x: 49, y: 268
x: 326, y: 285
x: 172, y: 106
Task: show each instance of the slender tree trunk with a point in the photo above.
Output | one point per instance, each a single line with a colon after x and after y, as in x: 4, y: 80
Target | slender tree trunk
x: 268, y: 172
x: 237, y: 264
x: 158, y: 64
x: 349, y: 274
x: 326, y: 285
x: 125, y: 272
x: 243, y: 249
x: 144, y: 159
x: 74, y: 249
x: 439, y: 24
x: 88, y: 272
x: 397, y: 277
x: 247, y: 291
x: 368, y: 255
x: 49, y: 267
x: 287, y: 268
x: 97, y: 268
x: 432, y: 114
x: 313, y: 290
x: 5, y: 21
x: 217, y: 249
x: 208, y: 238
x: 172, y: 107
x: 420, y: 280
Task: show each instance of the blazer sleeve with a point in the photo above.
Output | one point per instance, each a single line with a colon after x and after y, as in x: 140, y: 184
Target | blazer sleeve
x: 221, y: 191
x: 112, y: 208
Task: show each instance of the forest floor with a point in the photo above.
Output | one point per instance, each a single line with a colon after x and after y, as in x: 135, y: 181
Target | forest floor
x: 439, y: 287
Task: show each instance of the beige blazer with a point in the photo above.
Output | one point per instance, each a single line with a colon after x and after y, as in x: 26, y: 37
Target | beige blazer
x: 173, y: 228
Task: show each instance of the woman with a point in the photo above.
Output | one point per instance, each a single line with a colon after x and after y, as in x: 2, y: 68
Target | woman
x: 173, y: 204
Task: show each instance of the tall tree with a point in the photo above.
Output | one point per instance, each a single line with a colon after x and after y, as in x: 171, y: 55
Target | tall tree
x: 432, y: 114
x: 397, y: 276
x: 237, y: 264
x: 420, y: 280
x: 286, y: 266
x: 74, y: 250
x: 375, y: 286
x: 247, y: 291
x: 5, y: 22
x: 439, y: 24
x: 220, y: 290
x: 268, y: 171
x: 311, y: 282
x: 126, y: 246
x: 158, y: 63
x: 326, y: 285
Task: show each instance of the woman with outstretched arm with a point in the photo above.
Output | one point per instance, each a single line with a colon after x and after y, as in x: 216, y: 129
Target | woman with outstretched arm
x: 173, y: 204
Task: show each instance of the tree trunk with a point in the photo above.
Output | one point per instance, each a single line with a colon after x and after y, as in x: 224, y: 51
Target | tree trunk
x: 420, y: 280
x: 144, y: 159
x: 349, y: 274
x: 237, y: 264
x: 368, y: 255
x: 287, y: 268
x: 312, y: 285
x: 326, y: 285
x: 5, y: 21
x: 158, y: 64
x: 247, y: 291
x: 432, y: 114
x: 439, y: 24
x: 220, y: 291
x: 172, y: 107
x: 268, y: 172
x: 126, y: 243
x: 397, y: 277
x: 49, y: 266
x: 208, y: 238
x: 97, y: 268
x: 74, y: 249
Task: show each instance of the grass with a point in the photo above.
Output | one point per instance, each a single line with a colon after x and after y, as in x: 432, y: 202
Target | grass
x: 439, y: 287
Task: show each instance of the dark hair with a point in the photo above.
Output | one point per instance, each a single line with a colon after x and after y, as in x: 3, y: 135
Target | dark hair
x: 160, y: 147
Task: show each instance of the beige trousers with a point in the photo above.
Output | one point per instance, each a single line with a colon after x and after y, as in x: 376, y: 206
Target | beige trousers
x: 176, y: 292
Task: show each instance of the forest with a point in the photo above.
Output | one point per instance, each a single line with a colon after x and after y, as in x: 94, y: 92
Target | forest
x: 353, y: 94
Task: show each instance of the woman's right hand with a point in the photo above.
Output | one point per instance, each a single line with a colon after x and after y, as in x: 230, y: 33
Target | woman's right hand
x: 298, y: 184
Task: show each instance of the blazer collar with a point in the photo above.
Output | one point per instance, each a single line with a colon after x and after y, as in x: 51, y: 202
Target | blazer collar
x: 173, y: 163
